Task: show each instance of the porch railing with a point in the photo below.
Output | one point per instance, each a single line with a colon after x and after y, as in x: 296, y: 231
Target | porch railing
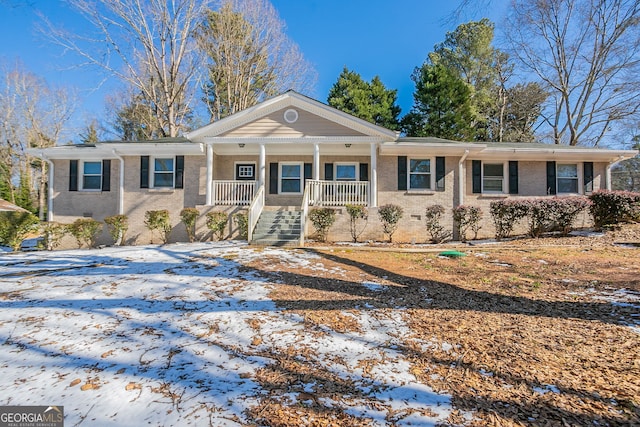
x: 238, y: 193
x: 337, y: 193
x: 255, y: 210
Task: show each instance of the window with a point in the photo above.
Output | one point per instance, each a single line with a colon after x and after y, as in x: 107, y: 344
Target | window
x: 346, y: 172
x: 419, y: 174
x: 493, y: 178
x: 92, y: 175
x: 290, y: 178
x: 163, y: 172
x: 567, y: 178
x: 245, y: 171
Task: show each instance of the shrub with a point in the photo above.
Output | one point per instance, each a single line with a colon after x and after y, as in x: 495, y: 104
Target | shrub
x: 433, y: 215
x: 505, y: 215
x: 242, y: 222
x: 356, y: 213
x: 390, y: 216
x: 322, y: 219
x: 614, y: 207
x: 158, y: 221
x: 467, y: 218
x: 217, y: 222
x: 15, y: 226
x: 85, y: 230
x: 52, y: 233
x: 188, y: 216
x: 118, y: 226
x: 565, y: 210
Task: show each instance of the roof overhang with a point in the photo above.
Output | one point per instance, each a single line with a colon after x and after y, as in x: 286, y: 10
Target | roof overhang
x: 115, y: 150
x: 290, y: 99
x: 554, y: 153
x: 401, y: 148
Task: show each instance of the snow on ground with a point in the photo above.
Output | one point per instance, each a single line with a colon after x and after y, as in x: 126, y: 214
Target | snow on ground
x: 172, y: 335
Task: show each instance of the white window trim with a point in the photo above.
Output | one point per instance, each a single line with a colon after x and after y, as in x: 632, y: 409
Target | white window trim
x: 505, y: 177
x: 152, y: 171
x: 81, y: 175
x: 432, y: 179
x: 335, y: 170
x: 235, y: 169
x: 579, y: 172
x: 280, y: 164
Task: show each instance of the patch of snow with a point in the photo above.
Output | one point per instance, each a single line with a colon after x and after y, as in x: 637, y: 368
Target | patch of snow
x: 174, y: 334
x: 372, y: 286
x: 546, y: 389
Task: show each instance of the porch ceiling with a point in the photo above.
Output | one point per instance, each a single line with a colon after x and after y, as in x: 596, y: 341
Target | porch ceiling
x: 293, y: 148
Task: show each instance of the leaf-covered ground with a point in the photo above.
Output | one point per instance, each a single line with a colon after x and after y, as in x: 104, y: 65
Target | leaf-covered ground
x: 522, y: 333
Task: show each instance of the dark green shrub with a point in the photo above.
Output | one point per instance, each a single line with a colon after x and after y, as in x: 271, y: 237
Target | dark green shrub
x: 85, y: 231
x: 118, y: 226
x: 505, y: 215
x: 242, y: 222
x: 467, y: 218
x: 565, y: 211
x: 15, y: 226
x: 433, y: 216
x: 188, y: 216
x: 356, y: 213
x: 217, y: 222
x: 52, y: 233
x: 158, y: 221
x: 614, y: 207
x: 390, y: 215
x: 322, y: 219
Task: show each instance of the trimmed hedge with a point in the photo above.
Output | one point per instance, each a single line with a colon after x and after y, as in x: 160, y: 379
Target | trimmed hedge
x: 614, y: 207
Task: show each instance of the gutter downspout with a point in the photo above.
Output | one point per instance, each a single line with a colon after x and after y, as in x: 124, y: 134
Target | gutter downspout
x: 120, y: 184
x: 608, y: 171
x: 461, y: 178
x: 49, y: 188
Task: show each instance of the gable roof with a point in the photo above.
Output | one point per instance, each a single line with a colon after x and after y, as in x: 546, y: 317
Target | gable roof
x: 291, y: 99
x: 10, y: 207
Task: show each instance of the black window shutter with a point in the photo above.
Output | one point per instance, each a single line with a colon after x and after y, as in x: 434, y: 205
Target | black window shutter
x: 144, y: 171
x: 328, y: 171
x: 364, y: 171
x: 588, y: 177
x: 402, y: 172
x: 106, y: 175
x: 179, y: 172
x: 308, y: 171
x: 513, y: 177
x: 551, y: 177
x: 273, y: 178
x: 73, y: 175
x: 476, y: 173
x: 440, y: 173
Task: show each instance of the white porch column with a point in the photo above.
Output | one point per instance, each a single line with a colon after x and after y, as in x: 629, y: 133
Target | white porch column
x: 50, y: 191
x: 209, y: 197
x: 316, y: 161
x: 461, y: 178
x: 373, y: 185
x: 262, y: 160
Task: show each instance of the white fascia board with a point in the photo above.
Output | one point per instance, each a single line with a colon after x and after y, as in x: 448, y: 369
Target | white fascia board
x: 433, y: 149
x: 106, y: 151
x: 215, y: 140
x: 290, y: 99
x: 575, y: 154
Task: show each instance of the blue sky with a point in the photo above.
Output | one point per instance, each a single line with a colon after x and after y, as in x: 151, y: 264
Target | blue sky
x: 372, y: 37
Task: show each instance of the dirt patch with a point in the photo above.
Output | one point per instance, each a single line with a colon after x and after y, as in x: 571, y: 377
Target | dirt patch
x: 540, y: 332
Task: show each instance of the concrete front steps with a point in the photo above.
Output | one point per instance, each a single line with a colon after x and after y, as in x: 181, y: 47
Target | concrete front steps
x: 278, y: 226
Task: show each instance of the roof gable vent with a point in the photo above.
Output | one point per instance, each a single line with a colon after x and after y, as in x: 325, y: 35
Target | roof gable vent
x: 291, y: 116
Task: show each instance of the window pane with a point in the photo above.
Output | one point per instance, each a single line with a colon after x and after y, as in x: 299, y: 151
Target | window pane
x: 93, y: 168
x: 568, y: 171
x: 346, y: 172
x: 420, y: 165
x: 290, y: 186
x: 92, y: 182
x: 163, y: 180
x: 493, y: 169
x: 291, y: 171
x: 567, y: 185
x: 420, y: 181
x: 245, y: 171
x: 492, y: 184
x: 163, y: 165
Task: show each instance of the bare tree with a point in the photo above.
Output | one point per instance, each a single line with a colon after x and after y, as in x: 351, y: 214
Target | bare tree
x: 250, y: 57
x: 587, y: 55
x: 148, y: 45
x: 34, y: 115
